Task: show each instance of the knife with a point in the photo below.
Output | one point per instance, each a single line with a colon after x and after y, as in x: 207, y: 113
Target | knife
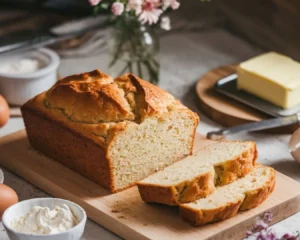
x: 54, y: 34
x: 254, y: 126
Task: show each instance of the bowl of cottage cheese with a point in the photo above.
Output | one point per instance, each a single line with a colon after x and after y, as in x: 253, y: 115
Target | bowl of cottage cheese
x: 44, y: 218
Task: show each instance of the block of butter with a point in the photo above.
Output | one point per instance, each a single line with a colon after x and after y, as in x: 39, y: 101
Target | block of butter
x: 272, y: 77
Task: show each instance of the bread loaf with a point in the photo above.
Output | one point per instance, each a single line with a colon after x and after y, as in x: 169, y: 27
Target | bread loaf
x: 243, y: 194
x: 113, y: 131
x: 196, y: 176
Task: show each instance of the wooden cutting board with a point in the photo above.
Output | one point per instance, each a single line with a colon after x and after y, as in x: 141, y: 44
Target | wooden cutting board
x: 125, y: 213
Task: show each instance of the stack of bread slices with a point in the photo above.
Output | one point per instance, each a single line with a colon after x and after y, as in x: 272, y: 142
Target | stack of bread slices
x: 213, y: 184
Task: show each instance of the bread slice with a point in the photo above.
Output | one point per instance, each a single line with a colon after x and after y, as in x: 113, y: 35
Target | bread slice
x: 243, y: 194
x: 196, y: 176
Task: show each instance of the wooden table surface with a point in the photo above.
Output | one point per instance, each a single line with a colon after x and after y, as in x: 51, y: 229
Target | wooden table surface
x: 184, y: 58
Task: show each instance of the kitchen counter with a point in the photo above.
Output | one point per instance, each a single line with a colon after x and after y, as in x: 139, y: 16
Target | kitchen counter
x: 184, y: 58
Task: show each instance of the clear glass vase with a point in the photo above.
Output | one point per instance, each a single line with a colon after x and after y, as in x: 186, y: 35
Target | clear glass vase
x: 135, y: 49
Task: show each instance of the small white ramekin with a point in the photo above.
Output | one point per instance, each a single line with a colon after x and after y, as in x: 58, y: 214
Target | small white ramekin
x: 20, y: 209
x: 18, y: 88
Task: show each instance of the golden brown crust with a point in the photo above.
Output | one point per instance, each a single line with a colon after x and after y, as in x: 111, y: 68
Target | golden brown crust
x: 82, y: 157
x: 201, y: 217
x: 184, y: 192
x: 202, y: 185
x: 249, y: 200
x: 165, y: 194
x: 93, y: 109
x: 75, y: 101
x: 125, y: 98
x: 196, y: 123
x: 231, y: 170
x: 256, y: 197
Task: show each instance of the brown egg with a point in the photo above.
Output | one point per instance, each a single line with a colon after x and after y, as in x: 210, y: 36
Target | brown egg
x: 294, y: 145
x: 4, y: 111
x: 8, y: 197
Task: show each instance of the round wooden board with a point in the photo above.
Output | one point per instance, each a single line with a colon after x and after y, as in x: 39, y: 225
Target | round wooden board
x: 224, y: 110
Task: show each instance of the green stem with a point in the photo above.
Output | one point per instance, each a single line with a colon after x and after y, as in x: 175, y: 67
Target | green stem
x: 117, y: 54
x: 130, y: 66
x: 155, y: 62
x: 123, y: 70
x: 139, y: 69
x: 153, y: 74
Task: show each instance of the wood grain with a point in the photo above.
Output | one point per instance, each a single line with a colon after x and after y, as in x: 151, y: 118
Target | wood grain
x: 224, y: 110
x: 270, y: 24
x: 125, y: 213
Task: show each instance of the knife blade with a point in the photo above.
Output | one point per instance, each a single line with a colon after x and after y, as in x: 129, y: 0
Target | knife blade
x: 255, y: 126
x: 55, y: 34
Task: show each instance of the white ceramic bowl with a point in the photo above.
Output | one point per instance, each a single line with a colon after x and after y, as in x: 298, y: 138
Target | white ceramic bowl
x: 21, y: 208
x: 18, y: 88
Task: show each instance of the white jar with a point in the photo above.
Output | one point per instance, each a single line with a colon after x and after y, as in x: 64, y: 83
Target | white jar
x: 18, y: 88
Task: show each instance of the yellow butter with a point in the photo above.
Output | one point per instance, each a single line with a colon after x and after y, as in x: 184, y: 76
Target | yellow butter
x: 273, y: 77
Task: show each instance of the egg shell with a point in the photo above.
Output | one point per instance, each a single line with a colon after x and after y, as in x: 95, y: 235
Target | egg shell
x: 4, y: 111
x: 8, y: 197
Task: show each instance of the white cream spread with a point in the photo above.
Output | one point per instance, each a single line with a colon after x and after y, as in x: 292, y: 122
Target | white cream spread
x: 25, y: 65
x: 43, y: 220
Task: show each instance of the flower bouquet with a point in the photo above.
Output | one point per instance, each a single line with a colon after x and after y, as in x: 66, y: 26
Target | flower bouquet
x: 135, y: 43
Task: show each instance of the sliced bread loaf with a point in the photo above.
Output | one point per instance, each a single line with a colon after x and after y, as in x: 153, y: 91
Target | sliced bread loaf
x: 113, y: 131
x: 196, y: 176
x: 245, y: 193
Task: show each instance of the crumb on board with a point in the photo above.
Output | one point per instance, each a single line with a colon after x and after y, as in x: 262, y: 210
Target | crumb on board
x: 124, y: 208
x: 115, y: 210
x: 120, y: 207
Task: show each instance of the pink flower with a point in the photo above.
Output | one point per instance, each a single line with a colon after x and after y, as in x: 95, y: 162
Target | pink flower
x: 152, y: 1
x: 150, y: 12
x: 117, y: 8
x: 135, y: 5
x: 175, y: 4
x: 94, y: 2
x: 166, y: 4
x: 267, y: 235
x: 150, y: 16
x: 260, y: 225
x: 288, y: 236
x: 165, y: 23
x: 267, y: 217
